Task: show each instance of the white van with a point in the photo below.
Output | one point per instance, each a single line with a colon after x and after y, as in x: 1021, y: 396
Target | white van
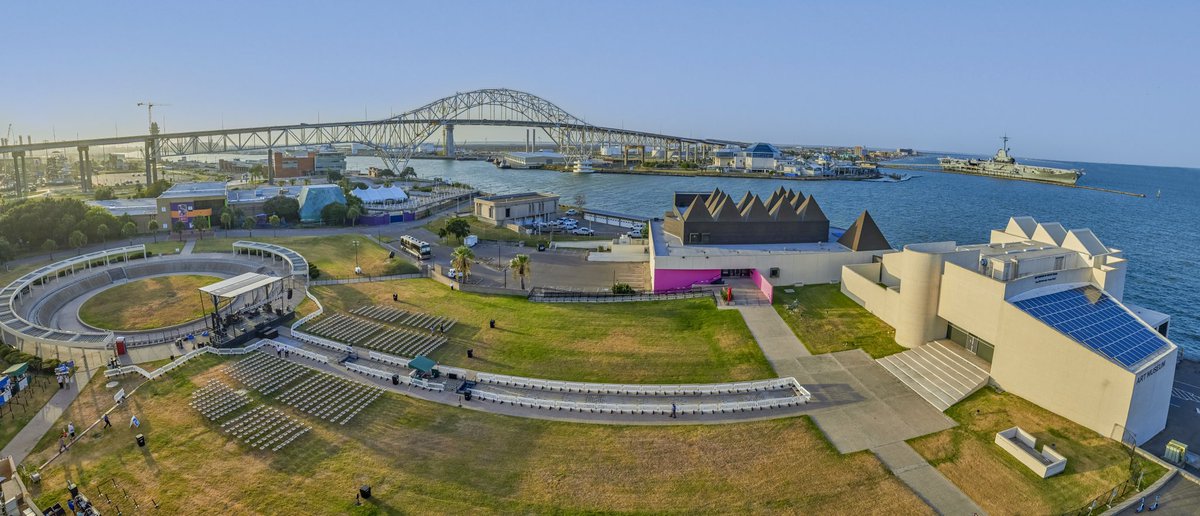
x: 471, y: 240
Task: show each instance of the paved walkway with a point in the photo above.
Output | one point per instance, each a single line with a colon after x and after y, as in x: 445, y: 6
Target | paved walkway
x: 865, y: 407
x: 187, y: 248
x: 22, y: 444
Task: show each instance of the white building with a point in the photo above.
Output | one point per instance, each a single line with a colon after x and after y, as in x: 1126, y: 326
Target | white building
x: 759, y: 157
x: 533, y: 159
x: 1043, y: 306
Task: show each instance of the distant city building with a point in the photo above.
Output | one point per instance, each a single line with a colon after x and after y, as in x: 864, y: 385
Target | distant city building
x: 1041, y: 306
x: 533, y: 159
x: 309, y: 163
x: 516, y: 208
x: 329, y: 160
x: 140, y: 210
x: 185, y: 202
x: 858, y: 151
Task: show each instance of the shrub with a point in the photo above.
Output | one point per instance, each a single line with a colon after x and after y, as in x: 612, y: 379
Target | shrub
x: 623, y: 289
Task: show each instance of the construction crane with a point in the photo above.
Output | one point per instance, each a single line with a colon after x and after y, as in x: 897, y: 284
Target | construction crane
x: 8, y: 136
x: 150, y: 112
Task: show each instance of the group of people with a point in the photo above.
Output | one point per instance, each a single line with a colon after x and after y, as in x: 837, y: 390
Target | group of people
x: 63, y: 380
x: 68, y: 434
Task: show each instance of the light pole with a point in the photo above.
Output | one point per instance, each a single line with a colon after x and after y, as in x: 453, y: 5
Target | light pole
x: 355, y: 244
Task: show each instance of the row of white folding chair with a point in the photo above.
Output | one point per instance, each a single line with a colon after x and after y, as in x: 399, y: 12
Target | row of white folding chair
x: 382, y: 313
x: 278, y: 435
x: 249, y: 419
x: 270, y: 418
x: 346, y: 402
x: 289, y: 440
x: 361, y: 406
x: 299, y: 389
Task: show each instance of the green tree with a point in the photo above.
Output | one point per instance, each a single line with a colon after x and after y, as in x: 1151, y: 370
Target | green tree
x: 129, y: 230
x: 457, y: 227
x: 258, y: 172
x: 352, y: 214
x: 104, y: 193
x: 202, y: 224
x: 50, y: 246
x: 178, y: 227
x: 520, y: 266
x: 248, y: 225
x: 461, y: 260
x: 77, y: 240
x: 333, y: 176
x: 6, y: 251
x: 274, y: 222
x: 152, y: 228
x: 408, y: 173
x: 286, y: 207
x: 102, y: 232
x: 227, y: 219
x: 333, y: 214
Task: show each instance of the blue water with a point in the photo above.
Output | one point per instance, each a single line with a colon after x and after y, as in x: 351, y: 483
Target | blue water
x: 1159, y: 236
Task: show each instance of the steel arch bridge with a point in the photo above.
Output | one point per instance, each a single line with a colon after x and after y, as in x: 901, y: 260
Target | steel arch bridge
x: 395, y: 139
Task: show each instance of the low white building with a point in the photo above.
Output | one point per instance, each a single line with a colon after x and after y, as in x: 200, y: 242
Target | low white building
x: 1043, y: 306
x: 533, y: 159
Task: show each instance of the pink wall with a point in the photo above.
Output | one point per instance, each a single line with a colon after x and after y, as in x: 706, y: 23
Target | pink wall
x: 668, y: 279
x: 763, y: 285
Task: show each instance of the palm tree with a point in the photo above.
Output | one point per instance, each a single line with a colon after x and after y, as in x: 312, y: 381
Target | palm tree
x: 274, y: 221
x: 102, y: 232
x: 77, y: 239
x: 461, y: 260
x: 353, y: 214
x: 520, y: 266
x: 248, y: 225
x: 152, y: 228
x: 226, y: 220
x: 129, y: 230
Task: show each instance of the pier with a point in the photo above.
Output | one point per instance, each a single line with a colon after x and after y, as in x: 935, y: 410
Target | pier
x: 921, y: 167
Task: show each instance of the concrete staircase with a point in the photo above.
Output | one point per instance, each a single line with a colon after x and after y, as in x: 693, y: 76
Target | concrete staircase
x: 941, y: 372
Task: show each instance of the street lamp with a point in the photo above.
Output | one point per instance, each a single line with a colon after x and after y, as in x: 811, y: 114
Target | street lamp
x: 355, y: 244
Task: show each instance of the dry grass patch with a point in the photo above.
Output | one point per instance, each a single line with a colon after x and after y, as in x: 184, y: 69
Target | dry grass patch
x: 969, y: 457
x: 430, y: 458
x: 147, y: 303
x: 651, y: 342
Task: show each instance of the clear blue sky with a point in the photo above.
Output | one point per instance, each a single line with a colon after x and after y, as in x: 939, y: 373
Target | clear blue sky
x: 1086, y: 81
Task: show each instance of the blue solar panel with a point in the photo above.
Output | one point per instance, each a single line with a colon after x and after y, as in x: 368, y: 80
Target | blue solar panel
x: 1097, y: 321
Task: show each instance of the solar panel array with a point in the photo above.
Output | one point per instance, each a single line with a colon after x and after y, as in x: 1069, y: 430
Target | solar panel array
x: 1097, y: 321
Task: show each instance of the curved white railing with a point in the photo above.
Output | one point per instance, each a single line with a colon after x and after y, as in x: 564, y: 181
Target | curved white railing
x: 320, y: 310
x: 296, y: 260
x: 118, y: 371
x: 640, y: 408
x: 642, y: 389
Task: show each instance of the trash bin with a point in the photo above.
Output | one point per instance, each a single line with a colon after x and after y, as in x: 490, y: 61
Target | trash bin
x: 141, y: 440
x: 365, y: 491
x: 395, y: 379
x: 72, y: 488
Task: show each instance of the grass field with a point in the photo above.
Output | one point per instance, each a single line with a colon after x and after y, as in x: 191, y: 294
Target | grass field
x: 333, y: 254
x: 421, y: 457
x: 488, y: 231
x: 969, y: 457
x: 147, y: 303
x: 652, y: 342
x: 25, y: 406
x: 826, y: 321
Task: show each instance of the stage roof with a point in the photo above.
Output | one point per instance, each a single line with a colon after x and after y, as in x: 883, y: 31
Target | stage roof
x: 239, y: 285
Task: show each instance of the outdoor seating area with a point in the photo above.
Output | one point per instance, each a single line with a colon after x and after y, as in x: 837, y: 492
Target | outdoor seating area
x: 404, y: 342
x: 264, y: 427
x: 405, y: 318
x: 344, y: 328
x: 330, y: 397
x: 217, y: 400
x: 266, y: 373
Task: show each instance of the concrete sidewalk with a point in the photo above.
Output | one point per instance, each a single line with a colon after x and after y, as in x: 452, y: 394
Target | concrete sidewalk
x: 22, y: 444
x: 867, y: 407
x: 187, y: 247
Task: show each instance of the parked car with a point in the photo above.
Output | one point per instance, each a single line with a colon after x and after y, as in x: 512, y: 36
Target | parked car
x: 454, y: 274
x: 571, y: 211
x: 636, y: 233
x: 583, y: 231
x: 471, y: 240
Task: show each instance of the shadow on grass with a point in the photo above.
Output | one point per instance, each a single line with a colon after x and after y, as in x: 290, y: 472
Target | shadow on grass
x: 305, y: 455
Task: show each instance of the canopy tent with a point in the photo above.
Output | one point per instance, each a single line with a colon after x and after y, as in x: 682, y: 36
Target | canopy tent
x: 239, y: 285
x: 422, y: 364
x: 381, y: 194
x: 17, y: 369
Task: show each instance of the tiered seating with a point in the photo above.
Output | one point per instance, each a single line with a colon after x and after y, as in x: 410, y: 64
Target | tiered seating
x: 330, y: 397
x: 405, y: 318
x: 405, y: 342
x: 344, y: 328
x: 263, y: 427
x: 265, y: 372
x: 217, y: 400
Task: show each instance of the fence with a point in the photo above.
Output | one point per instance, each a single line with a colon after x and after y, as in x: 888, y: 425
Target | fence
x: 639, y: 408
x: 320, y: 310
x: 646, y: 390
x: 367, y: 279
x: 404, y: 379
x: 316, y: 357
x: 1131, y: 485
x: 541, y: 295
x: 118, y: 371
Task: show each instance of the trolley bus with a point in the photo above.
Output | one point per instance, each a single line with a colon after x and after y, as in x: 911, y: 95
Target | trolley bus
x: 417, y: 248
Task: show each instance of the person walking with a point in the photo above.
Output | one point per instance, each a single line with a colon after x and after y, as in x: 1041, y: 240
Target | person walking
x: 674, y: 411
x: 62, y: 445
x: 107, y: 423
x: 71, y: 430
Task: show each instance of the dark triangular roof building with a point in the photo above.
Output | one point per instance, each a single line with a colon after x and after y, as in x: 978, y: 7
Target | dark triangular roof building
x: 864, y: 235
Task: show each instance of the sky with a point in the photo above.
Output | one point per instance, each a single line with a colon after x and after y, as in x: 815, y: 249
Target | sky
x: 1091, y: 81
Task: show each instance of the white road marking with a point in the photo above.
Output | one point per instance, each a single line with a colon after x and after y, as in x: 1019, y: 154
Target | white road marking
x: 1185, y: 395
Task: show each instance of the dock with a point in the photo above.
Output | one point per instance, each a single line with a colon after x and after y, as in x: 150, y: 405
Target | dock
x: 937, y: 168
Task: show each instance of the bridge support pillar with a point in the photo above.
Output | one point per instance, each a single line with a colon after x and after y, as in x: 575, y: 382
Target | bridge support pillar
x: 18, y: 172
x: 270, y: 165
x: 149, y: 163
x: 85, y: 168
x: 450, y: 151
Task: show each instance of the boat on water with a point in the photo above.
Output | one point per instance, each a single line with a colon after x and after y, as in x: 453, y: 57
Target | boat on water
x: 582, y: 166
x: 1003, y: 165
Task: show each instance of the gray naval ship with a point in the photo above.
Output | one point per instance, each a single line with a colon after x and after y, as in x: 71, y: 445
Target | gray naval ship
x: 1004, y: 166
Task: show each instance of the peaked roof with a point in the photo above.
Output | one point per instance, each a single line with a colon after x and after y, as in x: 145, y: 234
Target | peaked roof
x: 795, y: 198
x: 784, y: 211
x: 1084, y: 241
x: 1050, y: 233
x: 1021, y: 226
x: 696, y: 212
x: 726, y: 211
x: 756, y: 211
x: 741, y: 205
x: 864, y: 235
x: 810, y: 211
x: 711, y: 201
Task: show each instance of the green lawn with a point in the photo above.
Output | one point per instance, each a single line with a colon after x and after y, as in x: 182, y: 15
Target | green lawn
x: 421, y: 457
x: 333, y: 254
x: 651, y: 342
x: 488, y: 231
x: 827, y: 321
x: 968, y: 455
x: 25, y: 405
x: 147, y: 303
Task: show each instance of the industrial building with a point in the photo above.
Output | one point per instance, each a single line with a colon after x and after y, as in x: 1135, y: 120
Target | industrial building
x: 1038, y: 308
x: 185, y: 202
x: 517, y: 208
x: 320, y: 162
x: 786, y: 240
x: 533, y: 159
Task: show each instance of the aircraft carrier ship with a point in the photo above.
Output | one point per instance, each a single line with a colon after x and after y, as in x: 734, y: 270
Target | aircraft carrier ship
x: 1004, y: 166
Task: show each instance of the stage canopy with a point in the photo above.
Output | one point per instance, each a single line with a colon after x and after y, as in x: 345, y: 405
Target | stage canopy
x: 239, y: 285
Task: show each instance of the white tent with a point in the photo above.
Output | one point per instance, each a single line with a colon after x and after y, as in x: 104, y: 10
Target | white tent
x: 382, y: 194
